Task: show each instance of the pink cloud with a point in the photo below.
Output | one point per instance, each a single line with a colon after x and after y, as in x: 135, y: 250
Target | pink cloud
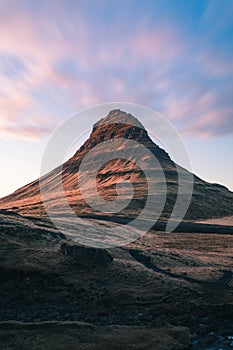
x: 145, y: 66
x: 162, y: 44
x: 211, y: 124
x: 30, y: 133
x: 214, y: 64
x: 180, y: 109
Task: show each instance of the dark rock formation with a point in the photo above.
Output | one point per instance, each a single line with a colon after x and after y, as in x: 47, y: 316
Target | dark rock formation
x: 85, y: 256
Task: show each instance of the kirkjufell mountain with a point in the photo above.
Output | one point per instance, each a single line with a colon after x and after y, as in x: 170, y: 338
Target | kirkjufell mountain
x: 159, y: 290
x: 208, y: 200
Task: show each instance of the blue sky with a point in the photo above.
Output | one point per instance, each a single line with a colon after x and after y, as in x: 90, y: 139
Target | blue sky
x: 57, y: 57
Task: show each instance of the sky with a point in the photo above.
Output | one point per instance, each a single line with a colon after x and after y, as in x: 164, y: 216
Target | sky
x: 57, y: 57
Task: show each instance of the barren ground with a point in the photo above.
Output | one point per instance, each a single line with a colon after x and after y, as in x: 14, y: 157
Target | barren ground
x: 156, y: 294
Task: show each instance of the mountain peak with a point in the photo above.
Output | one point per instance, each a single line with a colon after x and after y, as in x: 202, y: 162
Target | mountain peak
x: 116, y: 124
x: 116, y: 116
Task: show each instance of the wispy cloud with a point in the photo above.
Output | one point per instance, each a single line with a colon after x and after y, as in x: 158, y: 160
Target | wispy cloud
x: 56, y: 59
x: 211, y: 124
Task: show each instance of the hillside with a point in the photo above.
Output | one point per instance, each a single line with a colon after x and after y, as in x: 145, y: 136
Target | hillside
x: 208, y: 200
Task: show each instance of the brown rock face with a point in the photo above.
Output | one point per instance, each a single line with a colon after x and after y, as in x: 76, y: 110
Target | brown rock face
x: 208, y: 200
x: 120, y: 125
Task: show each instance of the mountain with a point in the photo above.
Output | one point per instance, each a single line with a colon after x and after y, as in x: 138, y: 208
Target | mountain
x: 113, y: 134
x: 162, y: 291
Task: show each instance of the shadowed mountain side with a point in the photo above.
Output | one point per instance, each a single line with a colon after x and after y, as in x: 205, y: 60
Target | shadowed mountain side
x: 208, y: 200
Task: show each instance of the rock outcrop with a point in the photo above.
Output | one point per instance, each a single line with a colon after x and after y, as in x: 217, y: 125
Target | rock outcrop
x: 85, y: 256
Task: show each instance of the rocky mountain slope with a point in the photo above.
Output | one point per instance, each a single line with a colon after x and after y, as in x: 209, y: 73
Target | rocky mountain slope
x: 168, y: 291
x: 208, y: 200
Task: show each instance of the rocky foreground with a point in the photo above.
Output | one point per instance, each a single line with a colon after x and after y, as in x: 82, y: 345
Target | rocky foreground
x: 164, y: 291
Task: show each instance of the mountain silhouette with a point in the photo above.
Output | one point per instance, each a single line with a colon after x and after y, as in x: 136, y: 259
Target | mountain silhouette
x: 127, y: 133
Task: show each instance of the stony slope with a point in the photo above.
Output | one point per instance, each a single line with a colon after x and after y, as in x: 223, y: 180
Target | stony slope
x: 208, y: 201
x: 181, y: 279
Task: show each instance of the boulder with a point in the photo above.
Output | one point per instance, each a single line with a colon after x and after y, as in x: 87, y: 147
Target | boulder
x: 86, y: 256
